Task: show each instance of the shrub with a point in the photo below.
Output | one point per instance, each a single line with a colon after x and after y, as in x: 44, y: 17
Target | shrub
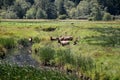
x: 9, y: 15
x: 63, y: 57
x: 90, y: 18
x: 36, y: 40
x: 62, y: 17
x: 49, y: 29
x: 46, y: 54
x: 107, y: 17
x: 8, y: 42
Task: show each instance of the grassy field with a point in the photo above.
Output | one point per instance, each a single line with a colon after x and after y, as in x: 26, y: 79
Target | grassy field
x: 98, y: 43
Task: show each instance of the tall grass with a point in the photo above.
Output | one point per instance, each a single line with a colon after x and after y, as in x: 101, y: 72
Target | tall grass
x: 8, y: 72
x: 64, y: 58
x: 46, y: 54
x: 99, y: 40
x: 8, y: 42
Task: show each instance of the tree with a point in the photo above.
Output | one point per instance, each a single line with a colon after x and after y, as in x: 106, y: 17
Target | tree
x: 31, y: 13
x: 51, y: 11
x: 21, y: 6
x: 107, y: 16
x: 113, y: 6
x: 68, y: 4
x: 10, y: 15
x: 43, y: 4
x: 76, y: 1
x: 41, y: 14
x: 6, y: 3
x: 30, y: 1
x: 60, y: 7
x: 83, y: 9
x: 96, y: 11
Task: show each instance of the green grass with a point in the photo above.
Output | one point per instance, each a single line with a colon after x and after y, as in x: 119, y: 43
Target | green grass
x: 8, y: 72
x: 97, y: 40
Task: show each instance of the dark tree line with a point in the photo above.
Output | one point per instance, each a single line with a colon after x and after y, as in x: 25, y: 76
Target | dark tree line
x: 52, y: 9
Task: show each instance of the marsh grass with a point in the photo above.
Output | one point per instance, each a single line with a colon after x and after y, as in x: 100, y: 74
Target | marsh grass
x: 14, y: 72
x: 98, y: 40
x: 8, y: 42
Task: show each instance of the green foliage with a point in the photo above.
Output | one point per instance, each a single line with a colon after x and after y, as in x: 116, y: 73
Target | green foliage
x: 6, y: 3
x: 85, y: 63
x: 107, y: 17
x: 31, y: 13
x: 60, y: 7
x: 96, y: 12
x: 98, y: 41
x: 112, y: 6
x: 62, y: 16
x: 83, y: 9
x: 46, y: 54
x: 9, y: 15
x: 51, y: 11
x: 14, y: 72
x: 8, y: 42
x: 36, y: 40
x: 41, y: 14
x: 63, y: 57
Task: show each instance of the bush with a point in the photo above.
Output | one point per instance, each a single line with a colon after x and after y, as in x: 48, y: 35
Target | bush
x: 9, y: 15
x: 62, y: 17
x: 36, y: 40
x: 49, y: 29
x: 90, y: 18
x: 107, y: 17
x: 8, y: 42
x: 46, y: 54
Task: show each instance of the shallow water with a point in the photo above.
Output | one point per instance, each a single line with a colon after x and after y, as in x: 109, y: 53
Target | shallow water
x: 21, y: 57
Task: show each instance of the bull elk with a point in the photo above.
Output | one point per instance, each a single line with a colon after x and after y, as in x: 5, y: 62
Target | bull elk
x: 63, y: 43
x: 68, y: 38
x: 53, y: 38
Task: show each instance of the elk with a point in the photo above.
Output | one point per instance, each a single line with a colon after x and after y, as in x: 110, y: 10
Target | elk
x: 68, y: 38
x: 63, y: 43
x: 53, y: 38
x: 30, y: 39
x: 76, y: 41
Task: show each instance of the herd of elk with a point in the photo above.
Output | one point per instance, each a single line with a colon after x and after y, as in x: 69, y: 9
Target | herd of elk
x: 64, y: 40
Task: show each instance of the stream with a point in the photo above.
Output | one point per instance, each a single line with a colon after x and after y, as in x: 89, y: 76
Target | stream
x: 21, y: 57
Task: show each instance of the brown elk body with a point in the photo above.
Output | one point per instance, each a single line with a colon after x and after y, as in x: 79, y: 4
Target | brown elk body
x: 53, y: 38
x: 63, y: 43
x: 68, y: 38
